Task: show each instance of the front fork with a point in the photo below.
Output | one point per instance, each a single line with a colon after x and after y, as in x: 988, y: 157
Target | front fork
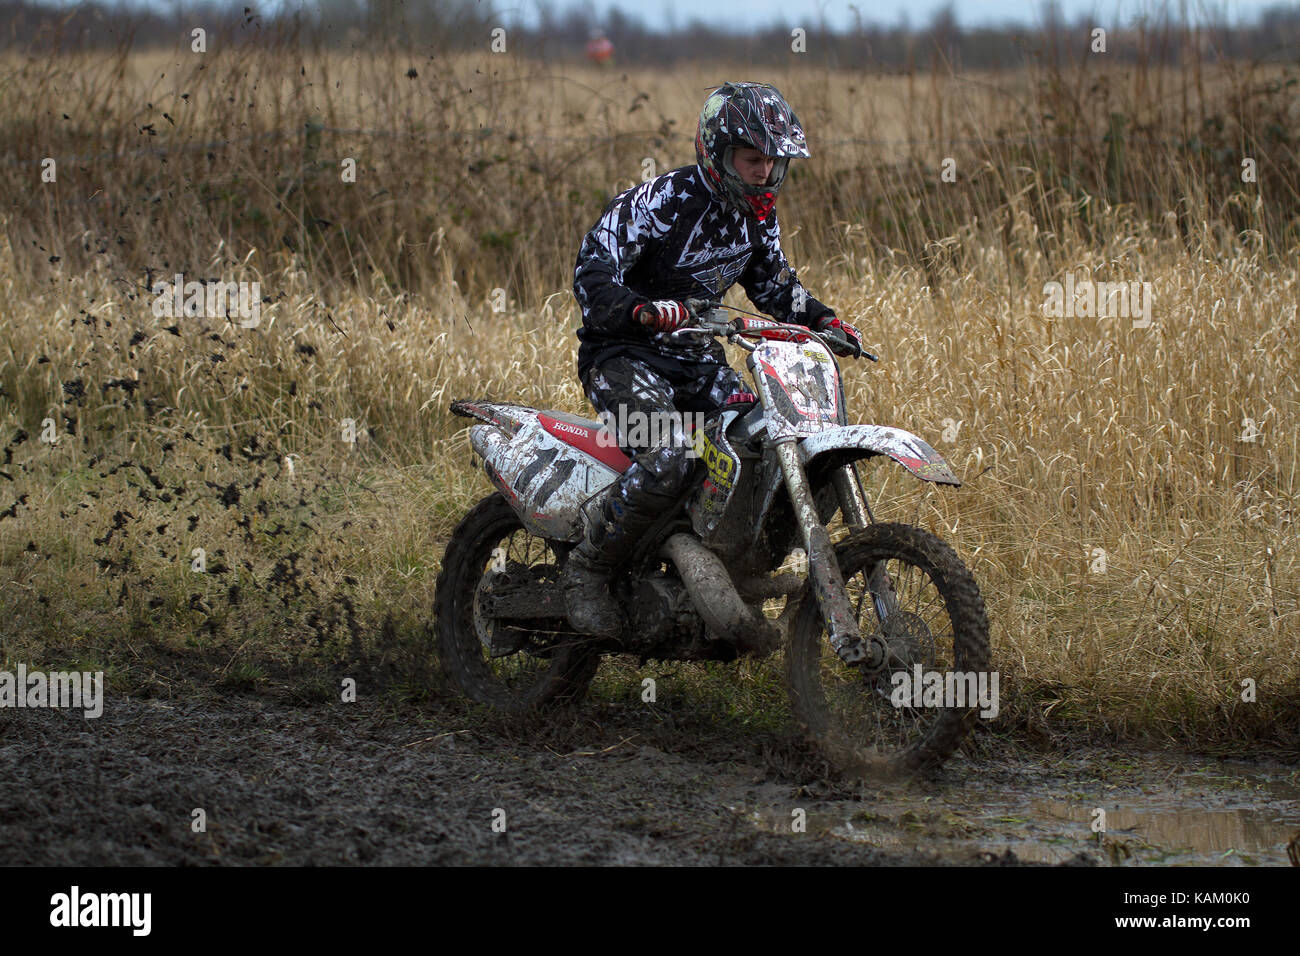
x: 857, y: 514
x: 823, y: 568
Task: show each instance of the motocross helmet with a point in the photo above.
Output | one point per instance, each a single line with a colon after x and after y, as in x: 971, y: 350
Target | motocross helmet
x: 738, y: 115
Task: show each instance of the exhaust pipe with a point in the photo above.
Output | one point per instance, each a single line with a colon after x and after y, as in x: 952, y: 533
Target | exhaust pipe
x: 716, y: 599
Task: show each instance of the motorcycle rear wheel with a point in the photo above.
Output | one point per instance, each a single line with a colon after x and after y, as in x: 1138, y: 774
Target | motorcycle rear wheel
x: 548, y: 667
x: 940, y: 624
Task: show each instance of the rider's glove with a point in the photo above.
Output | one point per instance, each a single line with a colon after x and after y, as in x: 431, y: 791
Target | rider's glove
x: 662, y: 315
x: 841, y: 338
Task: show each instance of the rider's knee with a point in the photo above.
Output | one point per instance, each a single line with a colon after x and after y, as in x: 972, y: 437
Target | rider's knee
x: 670, y: 466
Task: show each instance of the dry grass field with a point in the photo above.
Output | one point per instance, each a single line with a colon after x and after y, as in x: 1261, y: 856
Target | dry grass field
x: 1130, y: 506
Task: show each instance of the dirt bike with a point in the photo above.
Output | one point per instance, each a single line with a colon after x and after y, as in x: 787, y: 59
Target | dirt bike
x: 886, y: 600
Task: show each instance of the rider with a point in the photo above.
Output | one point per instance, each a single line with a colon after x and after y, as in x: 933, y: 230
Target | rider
x: 692, y: 232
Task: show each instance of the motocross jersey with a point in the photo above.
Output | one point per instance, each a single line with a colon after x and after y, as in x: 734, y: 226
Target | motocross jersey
x: 674, y: 238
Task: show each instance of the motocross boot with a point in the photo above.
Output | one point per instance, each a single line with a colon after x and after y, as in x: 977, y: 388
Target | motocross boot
x: 606, y: 542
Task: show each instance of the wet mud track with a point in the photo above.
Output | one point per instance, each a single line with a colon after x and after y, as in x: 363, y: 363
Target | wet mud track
x: 350, y: 784
x: 357, y: 784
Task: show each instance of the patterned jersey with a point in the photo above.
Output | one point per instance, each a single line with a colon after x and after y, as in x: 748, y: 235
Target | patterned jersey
x: 674, y: 238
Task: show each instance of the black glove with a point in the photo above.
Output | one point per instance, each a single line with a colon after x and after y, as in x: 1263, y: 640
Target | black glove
x: 841, y: 338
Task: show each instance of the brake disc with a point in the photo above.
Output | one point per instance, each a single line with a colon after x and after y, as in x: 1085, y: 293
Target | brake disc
x: 909, y: 639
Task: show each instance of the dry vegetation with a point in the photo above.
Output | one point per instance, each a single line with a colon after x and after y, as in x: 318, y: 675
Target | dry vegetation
x: 477, y: 174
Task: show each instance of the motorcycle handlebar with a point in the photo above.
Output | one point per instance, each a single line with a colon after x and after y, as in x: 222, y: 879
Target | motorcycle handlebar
x: 701, y: 309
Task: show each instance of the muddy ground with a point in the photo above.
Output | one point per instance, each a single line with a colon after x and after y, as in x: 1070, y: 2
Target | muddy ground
x: 355, y: 784
x: 608, y: 784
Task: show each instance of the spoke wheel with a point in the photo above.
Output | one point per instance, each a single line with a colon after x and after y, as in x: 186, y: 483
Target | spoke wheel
x: 513, y: 669
x: 889, y: 722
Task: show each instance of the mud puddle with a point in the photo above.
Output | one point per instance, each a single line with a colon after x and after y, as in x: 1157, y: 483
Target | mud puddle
x: 1100, y: 808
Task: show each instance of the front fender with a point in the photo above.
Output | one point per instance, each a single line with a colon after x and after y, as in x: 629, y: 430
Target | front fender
x: 847, y: 442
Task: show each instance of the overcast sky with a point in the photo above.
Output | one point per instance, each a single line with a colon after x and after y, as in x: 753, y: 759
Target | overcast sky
x: 746, y: 15
x: 839, y: 14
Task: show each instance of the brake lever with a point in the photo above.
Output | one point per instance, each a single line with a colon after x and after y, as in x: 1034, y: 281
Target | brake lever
x: 691, y: 330
x: 699, y: 310
x: 698, y: 307
x: 859, y: 353
x: 863, y: 353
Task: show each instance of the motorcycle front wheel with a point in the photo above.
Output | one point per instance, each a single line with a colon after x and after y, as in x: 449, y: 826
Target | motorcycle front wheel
x: 510, y: 668
x: 910, y: 715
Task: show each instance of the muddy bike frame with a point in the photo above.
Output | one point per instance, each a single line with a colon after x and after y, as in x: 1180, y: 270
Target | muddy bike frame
x: 803, y: 418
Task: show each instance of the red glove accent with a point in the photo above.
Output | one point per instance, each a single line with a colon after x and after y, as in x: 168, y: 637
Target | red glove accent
x: 662, y: 315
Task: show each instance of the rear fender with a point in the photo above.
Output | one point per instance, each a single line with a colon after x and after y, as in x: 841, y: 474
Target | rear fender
x: 509, y: 418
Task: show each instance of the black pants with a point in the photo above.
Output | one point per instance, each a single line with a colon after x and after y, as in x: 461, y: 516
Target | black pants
x: 645, y: 405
